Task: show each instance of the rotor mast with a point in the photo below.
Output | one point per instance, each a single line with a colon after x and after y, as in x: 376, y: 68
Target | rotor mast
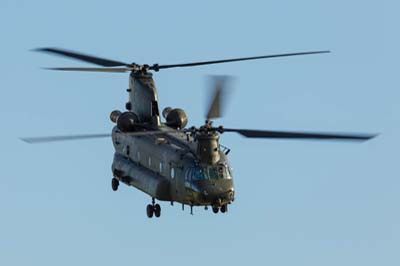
x: 143, y: 97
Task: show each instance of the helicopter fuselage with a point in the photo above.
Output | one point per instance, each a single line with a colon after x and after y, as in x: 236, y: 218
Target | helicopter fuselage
x: 166, y: 170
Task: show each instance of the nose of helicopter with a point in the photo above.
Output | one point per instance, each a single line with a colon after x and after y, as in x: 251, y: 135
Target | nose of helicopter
x: 217, y: 191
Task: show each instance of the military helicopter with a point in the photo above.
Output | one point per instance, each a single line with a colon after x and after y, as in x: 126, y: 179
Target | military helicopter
x: 167, y: 160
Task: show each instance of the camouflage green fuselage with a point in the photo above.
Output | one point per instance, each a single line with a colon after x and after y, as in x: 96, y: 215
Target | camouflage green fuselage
x: 160, y: 167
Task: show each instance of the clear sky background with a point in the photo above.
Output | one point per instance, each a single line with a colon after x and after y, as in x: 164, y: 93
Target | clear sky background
x: 298, y: 203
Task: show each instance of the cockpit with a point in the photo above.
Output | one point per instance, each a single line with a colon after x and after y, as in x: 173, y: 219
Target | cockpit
x: 214, y: 172
x: 212, y: 184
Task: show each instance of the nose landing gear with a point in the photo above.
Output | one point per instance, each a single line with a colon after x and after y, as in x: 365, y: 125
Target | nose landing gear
x: 215, y: 209
x: 223, y: 208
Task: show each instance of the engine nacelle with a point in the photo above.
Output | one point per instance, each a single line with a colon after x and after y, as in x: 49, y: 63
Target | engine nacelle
x: 114, y: 116
x: 176, y: 118
x: 126, y: 121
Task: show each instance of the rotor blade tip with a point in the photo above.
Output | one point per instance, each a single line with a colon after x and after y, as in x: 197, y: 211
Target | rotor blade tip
x: 26, y: 140
x: 40, y: 49
x: 372, y: 136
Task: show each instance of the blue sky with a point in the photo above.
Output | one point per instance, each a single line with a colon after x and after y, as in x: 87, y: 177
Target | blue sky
x: 298, y: 203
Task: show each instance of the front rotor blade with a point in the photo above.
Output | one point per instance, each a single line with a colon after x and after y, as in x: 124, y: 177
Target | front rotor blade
x: 217, y: 100
x: 157, y: 67
x: 300, y: 135
x: 93, y: 69
x: 83, y: 57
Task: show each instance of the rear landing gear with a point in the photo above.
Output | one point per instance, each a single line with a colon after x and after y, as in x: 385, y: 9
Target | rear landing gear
x: 157, y: 210
x: 114, y: 184
x: 153, y: 209
x: 223, y: 208
x: 150, y: 211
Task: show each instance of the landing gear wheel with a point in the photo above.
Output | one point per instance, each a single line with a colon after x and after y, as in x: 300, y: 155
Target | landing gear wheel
x: 157, y: 210
x: 224, y: 208
x: 114, y: 184
x: 215, y: 209
x: 150, y: 211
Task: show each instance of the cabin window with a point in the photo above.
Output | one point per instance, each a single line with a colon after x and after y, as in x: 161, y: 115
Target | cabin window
x: 149, y: 161
x: 172, y: 173
x: 154, y: 108
x: 138, y: 156
x: 161, y: 167
x: 127, y: 150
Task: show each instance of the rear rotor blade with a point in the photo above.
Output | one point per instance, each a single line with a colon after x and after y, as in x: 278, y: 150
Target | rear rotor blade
x: 35, y: 140
x: 93, y: 69
x: 63, y: 138
x: 83, y: 57
x: 158, y: 67
x: 300, y: 135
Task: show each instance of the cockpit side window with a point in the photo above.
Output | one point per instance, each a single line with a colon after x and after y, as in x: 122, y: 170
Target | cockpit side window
x: 228, y: 172
x: 188, y: 174
x: 196, y: 174
x: 188, y: 177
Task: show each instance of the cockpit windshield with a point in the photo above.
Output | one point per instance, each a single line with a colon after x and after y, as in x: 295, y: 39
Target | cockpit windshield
x: 216, y: 172
x: 198, y: 174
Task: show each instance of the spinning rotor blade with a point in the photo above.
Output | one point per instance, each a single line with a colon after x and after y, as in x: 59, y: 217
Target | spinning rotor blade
x: 35, y: 140
x: 300, y: 135
x: 86, y: 58
x: 217, y: 102
x: 94, y: 69
x: 63, y: 138
x: 157, y: 67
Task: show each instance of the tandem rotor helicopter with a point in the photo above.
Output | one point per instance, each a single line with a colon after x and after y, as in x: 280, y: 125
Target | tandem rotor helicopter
x: 167, y: 160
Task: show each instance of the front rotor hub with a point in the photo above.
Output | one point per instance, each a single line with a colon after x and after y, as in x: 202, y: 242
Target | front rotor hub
x: 208, y: 147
